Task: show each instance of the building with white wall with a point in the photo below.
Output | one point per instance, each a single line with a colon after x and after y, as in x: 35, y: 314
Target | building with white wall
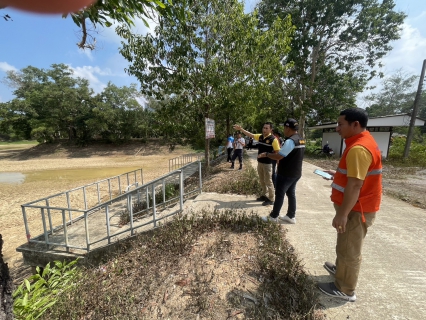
x: 380, y: 128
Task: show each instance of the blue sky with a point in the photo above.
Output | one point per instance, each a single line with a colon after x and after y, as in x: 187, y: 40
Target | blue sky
x: 41, y: 40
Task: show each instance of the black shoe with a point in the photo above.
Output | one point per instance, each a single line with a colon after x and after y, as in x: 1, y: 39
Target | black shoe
x: 240, y: 168
x: 331, y: 290
x: 262, y: 198
x: 330, y: 267
x: 232, y: 167
x: 267, y: 203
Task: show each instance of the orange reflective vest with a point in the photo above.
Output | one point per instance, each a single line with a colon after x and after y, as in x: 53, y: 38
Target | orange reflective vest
x: 371, y: 192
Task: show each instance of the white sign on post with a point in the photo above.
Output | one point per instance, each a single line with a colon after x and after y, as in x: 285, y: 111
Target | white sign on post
x: 209, y: 128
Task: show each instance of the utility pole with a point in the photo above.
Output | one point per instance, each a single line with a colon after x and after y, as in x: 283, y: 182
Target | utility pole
x: 414, y: 113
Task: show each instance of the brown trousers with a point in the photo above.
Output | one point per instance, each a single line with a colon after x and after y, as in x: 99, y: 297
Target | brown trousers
x: 265, y: 178
x: 348, y: 250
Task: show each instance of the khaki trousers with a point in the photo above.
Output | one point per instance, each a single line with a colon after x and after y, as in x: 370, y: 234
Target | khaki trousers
x: 348, y: 250
x: 265, y: 177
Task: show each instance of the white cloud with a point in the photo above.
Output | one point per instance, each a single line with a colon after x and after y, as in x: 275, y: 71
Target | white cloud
x: 408, y: 51
x: 4, y: 66
x: 91, y: 73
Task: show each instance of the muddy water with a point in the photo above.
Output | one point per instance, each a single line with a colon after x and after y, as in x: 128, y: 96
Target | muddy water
x: 63, y: 174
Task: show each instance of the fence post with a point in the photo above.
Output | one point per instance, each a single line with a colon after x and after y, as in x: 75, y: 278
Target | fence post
x: 86, y: 227
x: 154, y: 211
x: 130, y: 206
x: 69, y: 206
x: 107, y: 223
x: 119, y: 185
x: 164, y: 191
x: 64, y: 223
x: 84, y: 197
x: 46, y: 237
x: 99, y: 194
x: 49, y: 216
x: 27, y: 229
x: 181, y: 191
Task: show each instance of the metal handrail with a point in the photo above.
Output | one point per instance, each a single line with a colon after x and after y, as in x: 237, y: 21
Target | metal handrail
x: 104, y: 208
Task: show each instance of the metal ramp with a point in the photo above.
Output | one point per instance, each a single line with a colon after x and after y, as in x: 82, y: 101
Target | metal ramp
x: 87, y: 232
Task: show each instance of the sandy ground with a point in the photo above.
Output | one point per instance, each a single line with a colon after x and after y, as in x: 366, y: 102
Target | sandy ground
x: 153, y: 159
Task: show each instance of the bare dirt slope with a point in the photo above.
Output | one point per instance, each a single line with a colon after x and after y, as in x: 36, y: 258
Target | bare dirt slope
x: 152, y: 157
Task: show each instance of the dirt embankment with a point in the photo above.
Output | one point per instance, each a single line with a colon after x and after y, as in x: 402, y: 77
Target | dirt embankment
x: 60, y: 167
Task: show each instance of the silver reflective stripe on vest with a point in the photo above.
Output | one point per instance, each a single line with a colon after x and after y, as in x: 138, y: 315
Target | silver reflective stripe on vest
x: 299, y: 147
x: 337, y: 187
x: 375, y: 172
x: 342, y: 171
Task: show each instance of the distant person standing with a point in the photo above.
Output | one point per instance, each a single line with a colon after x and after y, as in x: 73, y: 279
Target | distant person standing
x: 290, y: 159
x: 356, y: 194
x: 267, y: 143
x: 250, y: 143
x: 239, y: 144
x: 229, y: 147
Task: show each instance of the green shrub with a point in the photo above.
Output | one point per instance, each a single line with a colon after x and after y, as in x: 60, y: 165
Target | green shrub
x: 416, y: 157
x: 40, y: 292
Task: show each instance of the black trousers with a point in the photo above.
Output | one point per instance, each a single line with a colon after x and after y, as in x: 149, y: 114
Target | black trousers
x: 229, y: 153
x: 237, y: 153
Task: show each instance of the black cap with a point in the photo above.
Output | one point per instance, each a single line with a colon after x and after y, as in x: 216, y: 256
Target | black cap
x: 291, y: 123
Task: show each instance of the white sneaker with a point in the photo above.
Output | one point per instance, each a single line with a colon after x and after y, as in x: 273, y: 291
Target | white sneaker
x: 288, y: 219
x: 269, y: 218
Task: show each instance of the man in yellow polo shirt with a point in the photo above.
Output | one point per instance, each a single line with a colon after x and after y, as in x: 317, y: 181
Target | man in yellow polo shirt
x: 266, y: 143
x: 356, y: 194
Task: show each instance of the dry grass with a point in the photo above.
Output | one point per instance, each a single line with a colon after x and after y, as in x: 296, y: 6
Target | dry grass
x: 206, y: 265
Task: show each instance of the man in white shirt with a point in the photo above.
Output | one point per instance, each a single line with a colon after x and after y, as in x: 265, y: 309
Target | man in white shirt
x: 238, y: 151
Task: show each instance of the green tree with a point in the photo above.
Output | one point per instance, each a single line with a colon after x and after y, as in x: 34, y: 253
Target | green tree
x: 48, y: 102
x: 396, y: 95
x: 215, y: 65
x: 336, y: 49
x: 116, y: 113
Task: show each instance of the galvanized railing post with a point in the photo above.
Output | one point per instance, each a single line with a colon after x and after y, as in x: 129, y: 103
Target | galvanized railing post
x: 164, y: 191
x: 84, y: 198
x: 49, y: 216
x: 147, y: 197
x: 86, y: 227
x: 129, y: 204
x: 154, y: 209
x: 107, y: 223
x: 141, y: 176
x: 127, y: 175
x: 46, y: 236
x: 64, y: 223
x: 181, y: 189
x: 69, y: 206
x: 27, y: 229
x: 119, y: 185
x: 99, y: 194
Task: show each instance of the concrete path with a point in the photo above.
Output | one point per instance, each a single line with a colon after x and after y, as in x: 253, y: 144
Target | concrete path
x: 392, y: 282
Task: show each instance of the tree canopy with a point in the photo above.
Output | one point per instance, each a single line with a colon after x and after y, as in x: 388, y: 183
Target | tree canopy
x: 218, y: 64
x: 54, y: 104
x: 336, y: 49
